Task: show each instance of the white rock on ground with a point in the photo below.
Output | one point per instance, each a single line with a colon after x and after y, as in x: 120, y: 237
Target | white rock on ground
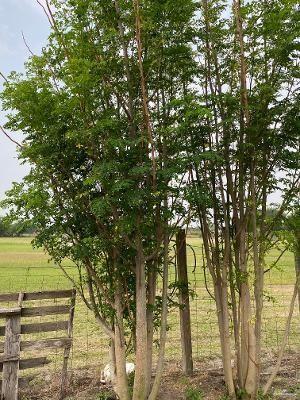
x: 107, y: 373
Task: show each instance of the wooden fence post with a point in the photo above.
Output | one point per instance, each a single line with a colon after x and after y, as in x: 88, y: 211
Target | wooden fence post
x: 11, y: 355
x: 185, y: 317
x: 67, y: 350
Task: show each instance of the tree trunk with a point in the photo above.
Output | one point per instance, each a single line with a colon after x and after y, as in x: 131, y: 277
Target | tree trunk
x: 120, y: 349
x: 248, y: 347
x: 152, y: 276
x: 163, y: 327
x: 112, y: 357
x: 223, y: 323
x: 297, y: 262
x: 141, y: 369
x: 258, y: 259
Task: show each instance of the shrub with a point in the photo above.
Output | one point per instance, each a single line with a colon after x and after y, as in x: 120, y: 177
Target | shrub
x: 193, y: 394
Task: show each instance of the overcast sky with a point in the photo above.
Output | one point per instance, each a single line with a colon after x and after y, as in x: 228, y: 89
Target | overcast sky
x: 17, y: 16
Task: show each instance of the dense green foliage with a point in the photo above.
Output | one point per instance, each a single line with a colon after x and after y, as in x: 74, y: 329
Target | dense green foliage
x: 140, y: 117
x: 98, y: 111
x: 79, y: 106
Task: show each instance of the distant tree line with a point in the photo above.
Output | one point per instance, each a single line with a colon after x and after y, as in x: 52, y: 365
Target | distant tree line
x: 9, y: 229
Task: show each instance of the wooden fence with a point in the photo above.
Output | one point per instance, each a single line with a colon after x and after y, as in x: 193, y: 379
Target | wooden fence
x: 10, y: 360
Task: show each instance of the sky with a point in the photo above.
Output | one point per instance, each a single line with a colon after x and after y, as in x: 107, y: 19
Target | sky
x: 17, y: 16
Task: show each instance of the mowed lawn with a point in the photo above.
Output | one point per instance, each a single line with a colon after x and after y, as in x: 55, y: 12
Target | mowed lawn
x: 23, y: 268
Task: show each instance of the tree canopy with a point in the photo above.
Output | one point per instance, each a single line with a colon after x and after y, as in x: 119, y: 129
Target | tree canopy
x: 139, y: 117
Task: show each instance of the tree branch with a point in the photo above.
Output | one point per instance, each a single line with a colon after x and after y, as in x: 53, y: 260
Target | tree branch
x: 10, y: 138
x: 284, y: 340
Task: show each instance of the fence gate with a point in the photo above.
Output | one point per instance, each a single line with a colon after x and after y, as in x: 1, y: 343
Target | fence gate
x: 11, y: 361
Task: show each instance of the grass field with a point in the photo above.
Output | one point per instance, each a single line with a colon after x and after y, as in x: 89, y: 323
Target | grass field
x: 22, y: 267
x: 25, y: 269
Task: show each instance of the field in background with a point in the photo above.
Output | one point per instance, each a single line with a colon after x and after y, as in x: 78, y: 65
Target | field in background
x: 25, y: 269
x: 21, y: 266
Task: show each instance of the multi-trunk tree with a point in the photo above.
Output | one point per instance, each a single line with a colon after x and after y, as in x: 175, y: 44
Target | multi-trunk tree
x: 241, y: 152
x: 95, y: 112
x: 135, y: 109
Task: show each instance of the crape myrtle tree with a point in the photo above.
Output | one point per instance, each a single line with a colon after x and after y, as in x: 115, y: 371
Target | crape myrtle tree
x: 130, y: 112
x: 241, y: 152
x: 97, y: 113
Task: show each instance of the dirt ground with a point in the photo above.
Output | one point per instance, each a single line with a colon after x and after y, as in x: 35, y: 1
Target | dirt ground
x: 207, y: 379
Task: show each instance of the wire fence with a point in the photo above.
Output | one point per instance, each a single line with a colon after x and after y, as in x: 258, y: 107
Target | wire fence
x: 278, y: 292
x: 90, y: 345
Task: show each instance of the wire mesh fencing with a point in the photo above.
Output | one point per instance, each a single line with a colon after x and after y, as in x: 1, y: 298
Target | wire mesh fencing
x: 90, y: 345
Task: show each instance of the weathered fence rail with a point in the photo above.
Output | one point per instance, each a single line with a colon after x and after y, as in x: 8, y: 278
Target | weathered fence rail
x: 12, y: 346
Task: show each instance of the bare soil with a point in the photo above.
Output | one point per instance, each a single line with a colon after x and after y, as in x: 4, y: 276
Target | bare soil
x: 207, y: 379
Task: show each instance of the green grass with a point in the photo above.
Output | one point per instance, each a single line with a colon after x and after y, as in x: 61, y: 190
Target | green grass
x: 283, y: 273
x: 25, y: 269
x: 22, y: 267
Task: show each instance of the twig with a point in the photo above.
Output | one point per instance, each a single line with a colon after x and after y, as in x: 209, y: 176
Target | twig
x: 4, y: 77
x: 284, y: 340
x: 10, y: 138
x: 276, y: 261
x: 45, y: 11
x: 26, y: 44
